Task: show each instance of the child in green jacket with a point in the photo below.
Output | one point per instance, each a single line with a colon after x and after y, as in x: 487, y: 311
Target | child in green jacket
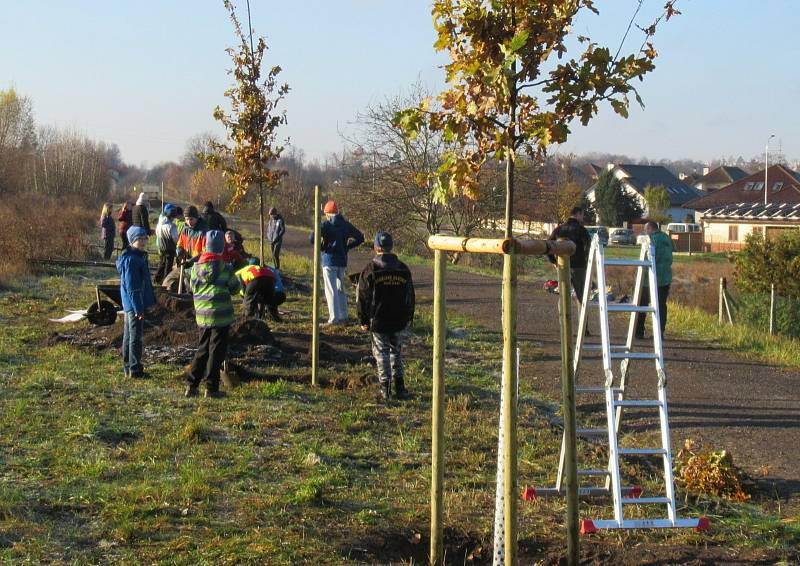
x: 213, y: 284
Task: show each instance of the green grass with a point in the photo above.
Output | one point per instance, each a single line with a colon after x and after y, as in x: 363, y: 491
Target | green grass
x: 745, y: 341
x: 100, y: 469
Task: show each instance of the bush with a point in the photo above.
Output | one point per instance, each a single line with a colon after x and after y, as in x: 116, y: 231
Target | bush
x: 40, y: 226
x: 764, y: 261
x: 753, y: 309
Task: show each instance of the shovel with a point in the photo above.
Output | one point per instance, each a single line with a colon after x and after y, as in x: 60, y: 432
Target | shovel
x: 228, y: 376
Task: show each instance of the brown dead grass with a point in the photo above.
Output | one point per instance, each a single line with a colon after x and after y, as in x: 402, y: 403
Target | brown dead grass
x: 694, y: 284
x: 39, y: 226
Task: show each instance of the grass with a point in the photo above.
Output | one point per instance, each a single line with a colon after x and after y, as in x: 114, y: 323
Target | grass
x: 695, y: 324
x: 100, y: 469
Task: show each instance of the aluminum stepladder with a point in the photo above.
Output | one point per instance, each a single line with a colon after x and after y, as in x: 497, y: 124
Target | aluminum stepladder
x: 613, y: 389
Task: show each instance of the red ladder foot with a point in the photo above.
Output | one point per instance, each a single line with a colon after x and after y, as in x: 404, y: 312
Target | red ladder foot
x: 529, y: 494
x: 587, y: 527
x: 704, y: 524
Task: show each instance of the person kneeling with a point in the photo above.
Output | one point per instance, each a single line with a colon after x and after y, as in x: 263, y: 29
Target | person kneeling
x: 385, y: 307
x: 213, y: 282
x: 262, y: 289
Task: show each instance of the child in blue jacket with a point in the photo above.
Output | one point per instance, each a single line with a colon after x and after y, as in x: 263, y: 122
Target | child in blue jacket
x: 137, y: 294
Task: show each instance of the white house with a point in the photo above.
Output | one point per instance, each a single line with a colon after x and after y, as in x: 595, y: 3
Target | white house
x: 635, y: 178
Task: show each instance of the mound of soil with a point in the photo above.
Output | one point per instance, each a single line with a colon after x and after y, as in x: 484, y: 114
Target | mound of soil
x: 171, y: 333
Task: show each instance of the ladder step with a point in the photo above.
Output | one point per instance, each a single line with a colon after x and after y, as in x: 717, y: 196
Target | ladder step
x: 592, y: 472
x: 642, y: 451
x: 629, y: 262
x: 592, y: 432
x: 589, y: 526
x: 617, y: 307
x: 633, y: 356
x: 629, y: 308
x: 596, y: 389
x: 644, y: 500
x: 600, y: 346
x: 637, y: 403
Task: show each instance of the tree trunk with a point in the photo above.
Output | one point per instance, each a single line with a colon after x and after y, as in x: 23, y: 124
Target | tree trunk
x: 261, y: 220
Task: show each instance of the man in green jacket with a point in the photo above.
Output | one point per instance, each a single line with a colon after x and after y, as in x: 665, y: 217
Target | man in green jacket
x: 663, y: 246
x: 213, y: 284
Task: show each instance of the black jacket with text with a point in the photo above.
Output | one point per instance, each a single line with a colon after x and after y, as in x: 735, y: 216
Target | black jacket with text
x: 385, y: 295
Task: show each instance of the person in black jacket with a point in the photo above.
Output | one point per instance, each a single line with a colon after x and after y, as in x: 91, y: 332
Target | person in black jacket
x: 214, y: 220
x: 385, y: 307
x: 141, y: 216
x: 574, y: 230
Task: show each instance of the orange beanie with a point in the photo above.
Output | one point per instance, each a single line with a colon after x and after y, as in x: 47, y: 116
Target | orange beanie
x: 330, y: 208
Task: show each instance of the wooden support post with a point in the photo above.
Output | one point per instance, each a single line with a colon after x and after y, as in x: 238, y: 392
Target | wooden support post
x: 315, y: 294
x: 772, y: 309
x: 437, y: 411
x: 510, y: 384
x: 721, y: 298
x: 568, y: 399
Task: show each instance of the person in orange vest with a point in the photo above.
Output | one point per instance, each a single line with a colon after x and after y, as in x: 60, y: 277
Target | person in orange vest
x: 192, y: 236
x: 262, y: 289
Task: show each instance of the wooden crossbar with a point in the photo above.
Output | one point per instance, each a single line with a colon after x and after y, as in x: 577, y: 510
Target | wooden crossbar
x: 501, y: 245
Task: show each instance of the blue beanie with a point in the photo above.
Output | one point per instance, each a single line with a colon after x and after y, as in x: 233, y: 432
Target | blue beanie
x: 169, y: 209
x: 136, y: 233
x: 383, y: 241
x: 215, y: 241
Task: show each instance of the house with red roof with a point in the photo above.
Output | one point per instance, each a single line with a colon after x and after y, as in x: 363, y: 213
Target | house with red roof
x: 732, y: 213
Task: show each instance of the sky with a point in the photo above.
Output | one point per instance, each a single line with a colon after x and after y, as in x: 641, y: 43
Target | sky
x: 147, y: 75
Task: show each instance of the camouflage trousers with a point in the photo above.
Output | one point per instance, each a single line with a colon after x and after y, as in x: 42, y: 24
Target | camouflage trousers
x: 386, y: 349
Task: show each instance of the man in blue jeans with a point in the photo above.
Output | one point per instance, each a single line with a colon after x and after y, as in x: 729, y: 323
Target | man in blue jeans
x: 137, y: 294
x: 338, y: 237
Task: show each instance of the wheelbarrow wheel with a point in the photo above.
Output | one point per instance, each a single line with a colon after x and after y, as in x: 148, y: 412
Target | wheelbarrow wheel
x: 104, y: 314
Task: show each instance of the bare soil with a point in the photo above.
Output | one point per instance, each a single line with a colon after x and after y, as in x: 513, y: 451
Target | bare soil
x: 171, y: 334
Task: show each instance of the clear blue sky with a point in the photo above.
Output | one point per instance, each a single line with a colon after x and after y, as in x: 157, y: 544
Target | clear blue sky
x: 146, y: 75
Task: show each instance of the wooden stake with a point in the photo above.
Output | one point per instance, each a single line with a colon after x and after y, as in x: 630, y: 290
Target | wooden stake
x: 772, y: 309
x: 315, y: 293
x: 721, y: 298
x: 510, y: 385
x: 568, y: 399
x: 437, y: 411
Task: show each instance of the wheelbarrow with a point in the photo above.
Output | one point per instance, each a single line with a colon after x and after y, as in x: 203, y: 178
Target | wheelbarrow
x: 103, y: 312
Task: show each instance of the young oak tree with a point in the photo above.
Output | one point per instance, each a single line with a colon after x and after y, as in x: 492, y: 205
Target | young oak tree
x: 252, y: 124
x: 503, y: 98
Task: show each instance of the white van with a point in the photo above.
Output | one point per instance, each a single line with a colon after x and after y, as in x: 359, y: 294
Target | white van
x: 683, y: 227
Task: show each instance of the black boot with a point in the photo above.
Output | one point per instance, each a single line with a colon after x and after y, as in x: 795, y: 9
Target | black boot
x: 400, y: 391
x: 384, y: 392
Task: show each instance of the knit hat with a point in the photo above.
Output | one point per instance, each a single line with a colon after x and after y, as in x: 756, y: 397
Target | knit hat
x: 273, y: 211
x: 191, y: 212
x: 143, y: 199
x: 215, y: 241
x: 136, y: 233
x: 383, y: 241
x: 169, y: 210
x: 330, y: 208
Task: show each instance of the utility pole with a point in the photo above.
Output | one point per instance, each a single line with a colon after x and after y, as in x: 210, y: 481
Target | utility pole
x: 766, y: 166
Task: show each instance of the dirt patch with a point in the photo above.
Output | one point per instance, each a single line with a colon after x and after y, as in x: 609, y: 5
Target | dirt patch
x: 412, y: 546
x: 602, y: 553
x: 171, y: 334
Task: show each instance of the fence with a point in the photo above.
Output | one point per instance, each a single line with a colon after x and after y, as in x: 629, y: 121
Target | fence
x: 765, y: 311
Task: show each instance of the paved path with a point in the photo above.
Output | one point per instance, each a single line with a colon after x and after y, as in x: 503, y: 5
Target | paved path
x: 716, y: 397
